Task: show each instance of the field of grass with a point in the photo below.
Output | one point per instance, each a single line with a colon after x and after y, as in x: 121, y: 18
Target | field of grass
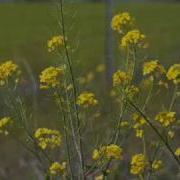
x: 25, y: 29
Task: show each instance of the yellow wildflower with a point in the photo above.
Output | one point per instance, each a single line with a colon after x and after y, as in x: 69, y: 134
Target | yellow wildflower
x: 87, y: 99
x: 124, y: 124
x: 121, y: 22
x: 139, y: 133
x: 173, y: 73
x: 133, y: 38
x: 131, y: 91
x: 166, y: 118
x: 8, y: 70
x: 96, y: 155
x: 4, y: 124
x: 111, y: 151
x: 54, y: 43
x: 177, y: 152
x: 157, y: 165
x: 48, y: 138
x: 57, y: 169
x: 121, y: 78
x: 171, y: 134
x: 138, y: 164
x: 153, y: 66
x: 139, y: 120
x: 50, y: 77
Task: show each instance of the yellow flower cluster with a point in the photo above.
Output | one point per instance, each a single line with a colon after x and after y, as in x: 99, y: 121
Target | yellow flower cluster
x: 48, y: 138
x: 111, y: 151
x: 50, y: 77
x: 121, y: 78
x: 55, y: 42
x: 57, y: 169
x: 138, y: 164
x: 173, y: 73
x: 133, y: 38
x: 124, y: 124
x: 131, y: 91
x: 177, y: 152
x: 8, y: 70
x: 157, y: 165
x: 87, y: 99
x: 4, y: 124
x: 153, y: 66
x: 140, y: 122
x: 166, y: 118
x: 121, y: 22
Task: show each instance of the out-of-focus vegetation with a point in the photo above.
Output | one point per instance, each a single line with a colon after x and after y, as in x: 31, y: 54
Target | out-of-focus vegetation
x: 26, y: 27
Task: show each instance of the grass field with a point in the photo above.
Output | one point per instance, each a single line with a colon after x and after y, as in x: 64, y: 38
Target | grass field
x: 25, y: 29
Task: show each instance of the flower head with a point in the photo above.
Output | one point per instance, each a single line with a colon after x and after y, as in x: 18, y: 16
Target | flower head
x: 111, y: 151
x: 177, y: 152
x: 57, y: 169
x: 139, y: 120
x: 121, y: 22
x: 96, y: 155
x: 173, y: 73
x: 121, y: 78
x: 124, y: 124
x: 138, y: 164
x: 87, y: 99
x: 139, y: 133
x: 157, y: 165
x: 133, y: 38
x: 153, y: 66
x: 131, y: 91
x: 48, y: 138
x: 55, y: 42
x: 4, y: 124
x: 8, y: 71
x: 50, y: 77
x: 166, y: 118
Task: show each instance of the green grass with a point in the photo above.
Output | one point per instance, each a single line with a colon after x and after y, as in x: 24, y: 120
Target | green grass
x: 26, y: 27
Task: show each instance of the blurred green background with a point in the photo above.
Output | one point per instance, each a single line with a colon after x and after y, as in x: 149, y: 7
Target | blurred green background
x: 26, y: 27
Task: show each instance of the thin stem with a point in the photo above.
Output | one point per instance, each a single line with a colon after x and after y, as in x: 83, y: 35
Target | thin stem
x: 117, y: 133
x: 156, y: 131
x: 66, y: 135
x: 80, y: 154
x: 173, y: 98
x: 148, y: 96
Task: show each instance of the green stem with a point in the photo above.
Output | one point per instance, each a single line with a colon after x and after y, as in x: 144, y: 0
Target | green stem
x: 156, y: 131
x: 173, y: 98
x: 80, y: 151
x: 66, y: 135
